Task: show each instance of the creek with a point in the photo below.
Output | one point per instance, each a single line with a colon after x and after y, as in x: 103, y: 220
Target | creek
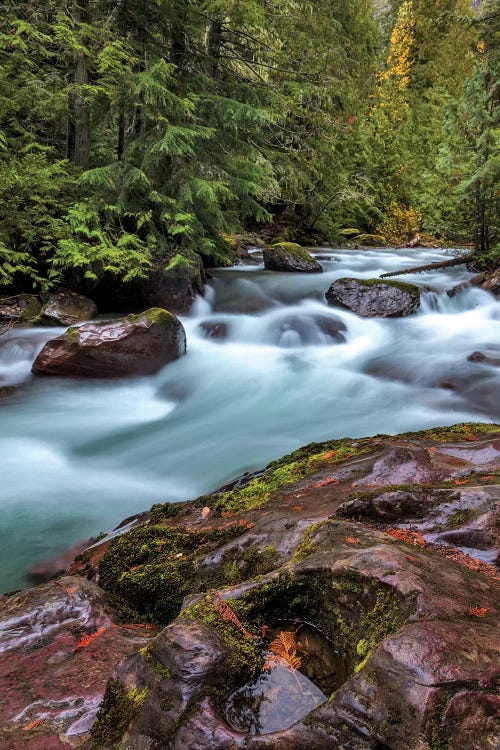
x: 274, y: 374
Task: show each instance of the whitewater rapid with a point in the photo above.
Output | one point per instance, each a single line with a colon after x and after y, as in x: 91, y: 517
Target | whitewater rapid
x: 77, y: 457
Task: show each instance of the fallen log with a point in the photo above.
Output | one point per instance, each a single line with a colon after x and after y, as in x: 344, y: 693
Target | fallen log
x: 431, y: 266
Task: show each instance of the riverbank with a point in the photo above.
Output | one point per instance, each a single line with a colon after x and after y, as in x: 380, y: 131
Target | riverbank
x: 382, y: 548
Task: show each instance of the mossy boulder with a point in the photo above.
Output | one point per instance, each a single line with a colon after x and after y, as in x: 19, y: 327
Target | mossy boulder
x: 349, y: 233
x: 66, y: 308
x: 374, y: 298
x: 21, y: 309
x: 172, y: 283
x: 371, y: 240
x: 291, y: 258
x: 136, y: 345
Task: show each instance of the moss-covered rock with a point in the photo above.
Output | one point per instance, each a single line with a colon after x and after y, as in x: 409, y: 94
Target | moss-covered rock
x: 136, y: 345
x: 115, y: 714
x: 289, y: 257
x: 372, y: 298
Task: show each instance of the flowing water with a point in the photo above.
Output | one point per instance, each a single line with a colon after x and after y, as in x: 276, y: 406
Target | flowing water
x: 77, y: 457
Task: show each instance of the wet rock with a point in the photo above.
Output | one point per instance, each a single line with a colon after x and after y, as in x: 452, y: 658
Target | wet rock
x: 386, y: 506
x: 472, y: 720
x: 66, y: 308
x: 478, y: 539
x: 484, y: 359
x: 58, y: 646
x: 294, y: 330
x: 172, y: 284
x: 22, y: 308
x: 49, y: 569
x: 390, y: 660
x: 491, y: 282
x: 407, y: 629
x: 215, y: 329
x: 289, y: 257
x: 402, y: 466
x: 372, y: 298
x: 136, y: 345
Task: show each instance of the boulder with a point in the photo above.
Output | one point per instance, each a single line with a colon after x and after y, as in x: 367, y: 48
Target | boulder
x: 295, y: 330
x: 136, y: 345
x: 172, y: 284
x: 212, y: 329
x: 484, y: 359
x: 372, y: 298
x: 58, y: 645
x: 66, y: 308
x: 289, y: 257
x: 19, y: 309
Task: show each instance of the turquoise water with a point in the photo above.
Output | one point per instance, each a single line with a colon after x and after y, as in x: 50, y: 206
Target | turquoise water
x: 78, y: 457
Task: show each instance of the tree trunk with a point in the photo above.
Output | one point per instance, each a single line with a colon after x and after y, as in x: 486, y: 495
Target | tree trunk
x: 79, y: 118
x: 121, y: 134
x: 214, y: 47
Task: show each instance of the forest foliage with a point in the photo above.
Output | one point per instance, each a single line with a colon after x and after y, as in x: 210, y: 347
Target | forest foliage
x: 132, y: 131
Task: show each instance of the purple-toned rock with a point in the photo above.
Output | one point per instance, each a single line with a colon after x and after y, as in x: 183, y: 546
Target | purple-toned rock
x: 373, y: 298
x: 66, y: 309
x: 136, y: 345
x: 58, y: 646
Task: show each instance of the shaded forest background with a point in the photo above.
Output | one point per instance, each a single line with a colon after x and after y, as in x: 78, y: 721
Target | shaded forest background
x: 138, y: 134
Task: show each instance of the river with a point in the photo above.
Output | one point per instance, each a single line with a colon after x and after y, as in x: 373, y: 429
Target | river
x: 77, y: 457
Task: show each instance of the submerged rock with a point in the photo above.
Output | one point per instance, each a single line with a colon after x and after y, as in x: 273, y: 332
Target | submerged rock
x: 484, y: 359
x: 66, y: 308
x: 373, y: 298
x: 136, y: 345
x: 289, y: 257
x: 212, y: 329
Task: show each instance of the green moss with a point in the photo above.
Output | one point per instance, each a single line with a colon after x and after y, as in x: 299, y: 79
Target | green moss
x: 439, y: 738
x: 152, y: 660
x: 148, y: 571
x: 402, y: 285
x: 371, y: 240
x: 115, y: 714
x: 244, y: 659
x: 292, y: 249
x: 72, y: 334
x: 289, y: 469
x: 31, y: 312
x: 241, y: 565
x: 349, y: 233
x: 160, y: 511
x: 354, y: 613
x: 154, y: 315
x: 306, y: 546
x: 463, y: 431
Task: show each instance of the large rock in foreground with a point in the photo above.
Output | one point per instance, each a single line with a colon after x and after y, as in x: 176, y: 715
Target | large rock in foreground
x: 289, y: 257
x: 67, y: 308
x: 373, y: 298
x: 58, y: 644
x: 136, y: 345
